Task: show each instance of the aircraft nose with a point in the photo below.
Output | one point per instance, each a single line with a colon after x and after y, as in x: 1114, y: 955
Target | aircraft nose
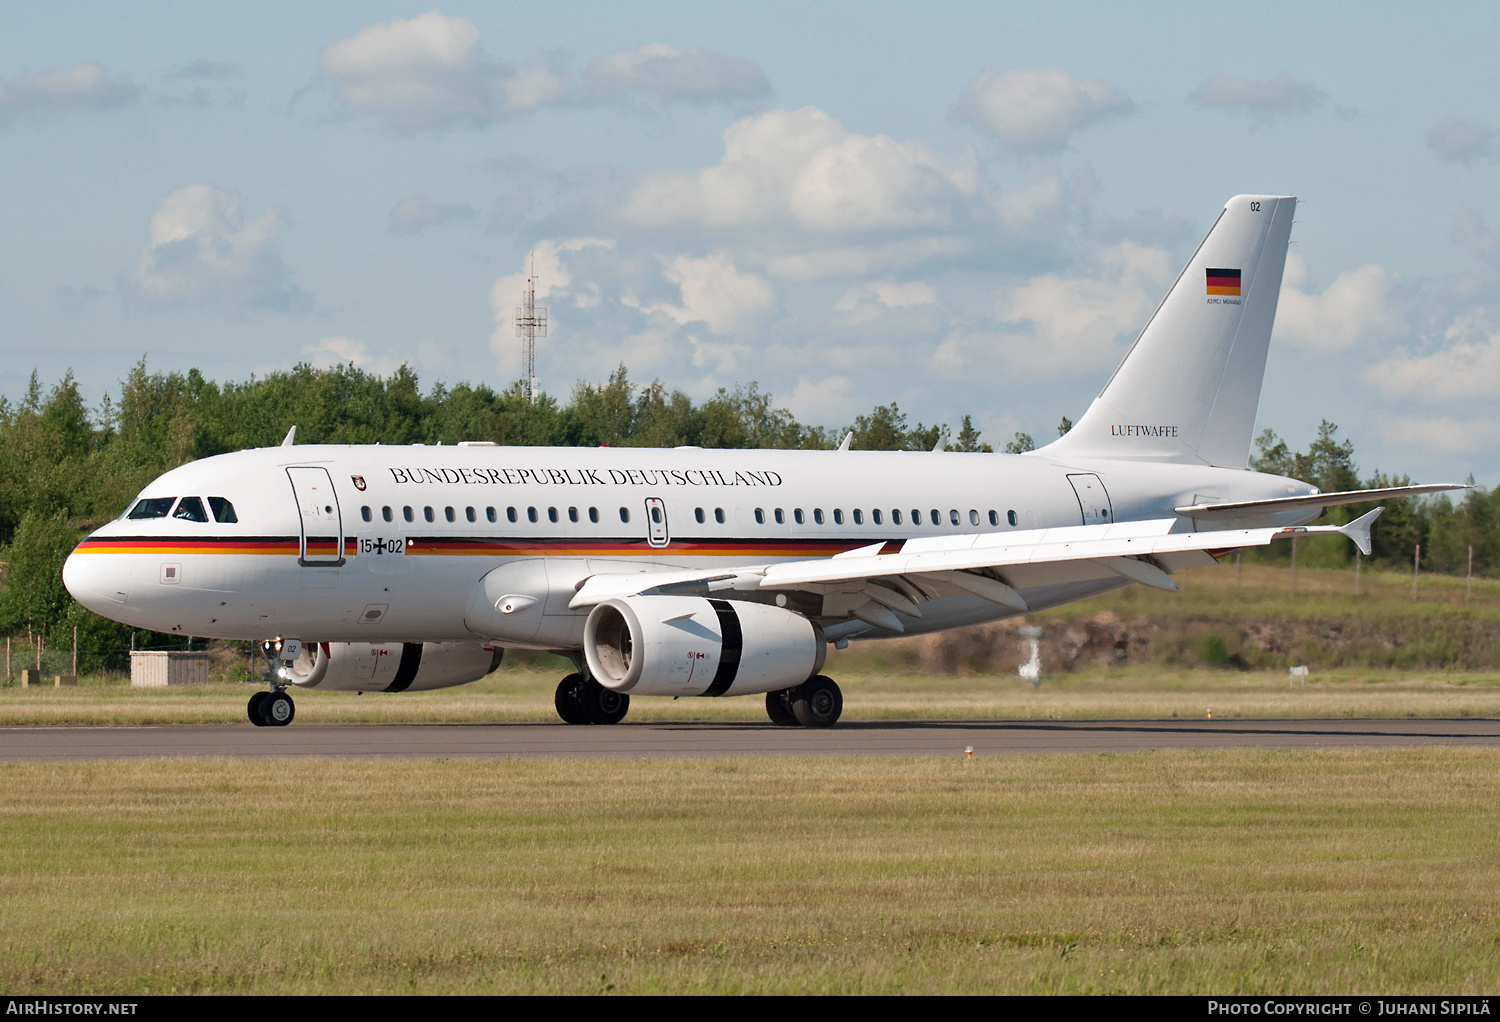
x: 100, y: 582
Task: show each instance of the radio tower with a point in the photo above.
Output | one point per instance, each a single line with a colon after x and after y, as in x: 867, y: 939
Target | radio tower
x: 531, y: 323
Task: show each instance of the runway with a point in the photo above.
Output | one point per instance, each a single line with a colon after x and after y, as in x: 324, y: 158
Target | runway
x: 853, y: 738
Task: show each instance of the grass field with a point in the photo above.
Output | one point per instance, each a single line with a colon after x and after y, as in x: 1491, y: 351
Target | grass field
x: 1176, y: 872
x: 1375, y: 654
x: 526, y: 695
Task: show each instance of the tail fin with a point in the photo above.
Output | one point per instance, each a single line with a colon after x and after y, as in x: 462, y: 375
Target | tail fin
x: 1188, y: 388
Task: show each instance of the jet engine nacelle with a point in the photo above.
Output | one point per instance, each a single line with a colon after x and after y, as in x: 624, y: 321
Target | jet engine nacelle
x: 392, y: 666
x: 690, y: 646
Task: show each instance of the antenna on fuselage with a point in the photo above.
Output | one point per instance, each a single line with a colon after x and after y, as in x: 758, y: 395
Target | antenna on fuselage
x: 291, y: 437
x: 531, y: 323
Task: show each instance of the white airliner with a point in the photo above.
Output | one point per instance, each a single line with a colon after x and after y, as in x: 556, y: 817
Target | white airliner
x: 691, y: 572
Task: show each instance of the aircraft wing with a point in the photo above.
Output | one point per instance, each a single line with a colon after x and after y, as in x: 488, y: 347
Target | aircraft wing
x: 989, y: 565
x: 1246, y: 508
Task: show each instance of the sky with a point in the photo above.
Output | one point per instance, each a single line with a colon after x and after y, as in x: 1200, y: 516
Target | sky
x: 963, y: 208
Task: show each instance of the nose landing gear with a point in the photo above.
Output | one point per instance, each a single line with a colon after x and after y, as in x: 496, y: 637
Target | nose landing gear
x: 274, y: 708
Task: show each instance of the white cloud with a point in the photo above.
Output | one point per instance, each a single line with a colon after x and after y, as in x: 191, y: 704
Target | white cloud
x: 1037, y: 109
x: 861, y: 260
x: 201, y: 249
x: 889, y: 293
x: 415, y: 214
x: 1063, y: 324
x: 1262, y: 101
x: 713, y: 292
x: 1431, y: 436
x: 330, y: 352
x: 1472, y: 233
x: 803, y: 168
x: 428, y: 71
x: 1460, y: 141
x: 80, y: 87
x: 1467, y: 368
x: 831, y: 399
x: 1356, y: 309
x: 671, y: 74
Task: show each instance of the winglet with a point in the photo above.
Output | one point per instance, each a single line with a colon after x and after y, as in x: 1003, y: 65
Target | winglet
x: 290, y: 437
x: 1359, y: 530
x: 844, y: 443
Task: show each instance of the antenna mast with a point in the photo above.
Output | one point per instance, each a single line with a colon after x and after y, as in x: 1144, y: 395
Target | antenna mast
x: 531, y: 323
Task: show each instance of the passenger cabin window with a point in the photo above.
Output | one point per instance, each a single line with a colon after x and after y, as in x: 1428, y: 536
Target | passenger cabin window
x: 780, y: 517
x: 895, y: 516
x: 797, y: 514
x: 490, y: 516
x: 916, y: 516
x: 510, y: 515
x: 838, y: 517
x: 937, y: 517
x: 1010, y: 516
x: 994, y: 518
x: 190, y: 509
x: 594, y: 515
x: 470, y: 515
x: 427, y: 514
x: 552, y: 515
x: 406, y: 513
x: 448, y: 514
x: 818, y: 515
x: 875, y: 514
x: 719, y: 515
x: 760, y: 516
x: 698, y: 514
x: 222, y: 511
x: 152, y: 507
x: 859, y: 517
x: 365, y: 513
x: 625, y: 515
x: 953, y: 516
x: 385, y: 513
x: 531, y: 515
x: 572, y: 514
x: 656, y: 515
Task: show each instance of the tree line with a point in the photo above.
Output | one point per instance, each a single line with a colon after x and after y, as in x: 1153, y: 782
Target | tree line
x: 66, y: 468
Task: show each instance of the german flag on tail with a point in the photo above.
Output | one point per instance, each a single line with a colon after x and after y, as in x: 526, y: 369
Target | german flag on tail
x: 1224, y: 282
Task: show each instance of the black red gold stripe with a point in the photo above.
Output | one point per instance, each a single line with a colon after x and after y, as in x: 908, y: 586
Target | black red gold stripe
x: 275, y: 545
x: 471, y: 546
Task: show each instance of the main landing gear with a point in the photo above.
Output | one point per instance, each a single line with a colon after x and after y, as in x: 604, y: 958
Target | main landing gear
x: 582, y: 700
x: 817, y: 702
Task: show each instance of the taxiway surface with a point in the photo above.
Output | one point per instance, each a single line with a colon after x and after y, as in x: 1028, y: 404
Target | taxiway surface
x: 852, y: 738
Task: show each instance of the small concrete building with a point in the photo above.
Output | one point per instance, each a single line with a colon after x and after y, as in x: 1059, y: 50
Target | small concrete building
x: 161, y: 668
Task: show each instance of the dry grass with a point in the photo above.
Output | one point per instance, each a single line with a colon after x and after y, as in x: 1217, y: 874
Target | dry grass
x: 1180, y: 872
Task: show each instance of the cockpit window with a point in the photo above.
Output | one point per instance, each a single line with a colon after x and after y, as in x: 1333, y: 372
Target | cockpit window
x: 152, y: 507
x: 190, y: 509
x: 223, y: 511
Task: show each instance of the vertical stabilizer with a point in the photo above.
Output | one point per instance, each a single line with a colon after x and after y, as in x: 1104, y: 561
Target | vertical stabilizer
x: 1188, y: 389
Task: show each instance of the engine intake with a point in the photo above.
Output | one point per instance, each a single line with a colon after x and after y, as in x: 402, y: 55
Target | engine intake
x: 392, y: 666
x: 690, y: 646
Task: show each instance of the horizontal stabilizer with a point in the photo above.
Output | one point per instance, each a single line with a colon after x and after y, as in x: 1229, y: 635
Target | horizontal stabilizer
x: 1250, y: 508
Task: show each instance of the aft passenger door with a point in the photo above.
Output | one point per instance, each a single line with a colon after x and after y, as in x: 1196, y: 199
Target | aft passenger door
x: 322, y: 539
x: 1093, y: 499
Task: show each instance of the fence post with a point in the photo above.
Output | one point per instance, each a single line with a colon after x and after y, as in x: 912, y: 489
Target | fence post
x: 39, y: 654
x: 1416, y: 569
